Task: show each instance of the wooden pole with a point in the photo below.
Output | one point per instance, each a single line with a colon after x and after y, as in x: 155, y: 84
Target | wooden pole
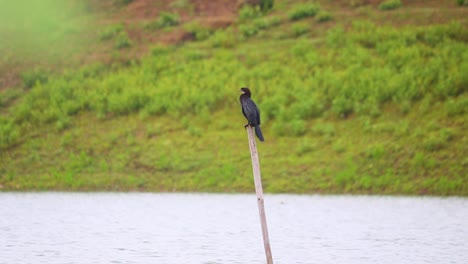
x: 259, y: 191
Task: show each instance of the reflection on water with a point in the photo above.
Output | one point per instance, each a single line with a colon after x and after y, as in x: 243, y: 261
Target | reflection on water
x: 206, y: 228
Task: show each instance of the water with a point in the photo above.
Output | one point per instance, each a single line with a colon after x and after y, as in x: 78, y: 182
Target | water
x: 208, y: 229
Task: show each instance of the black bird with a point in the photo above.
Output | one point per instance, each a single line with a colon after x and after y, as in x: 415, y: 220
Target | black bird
x: 250, y: 111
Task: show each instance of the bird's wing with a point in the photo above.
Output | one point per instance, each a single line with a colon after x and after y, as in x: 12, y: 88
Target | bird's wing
x: 258, y: 113
x: 251, y: 111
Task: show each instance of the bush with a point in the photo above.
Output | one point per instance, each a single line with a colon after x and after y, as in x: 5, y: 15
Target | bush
x: 323, y: 16
x: 198, y: 31
x: 462, y: 2
x: 122, y: 41
x: 165, y: 19
x: 168, y: 19
x: 456, y: 107
x: 8, y: 133
x: 300, y: 29
x: 122, y: 2
x: 267, y: 22
x: 248, y: 12
x: 30, y: 78
x: 390, y: 5
x: 111, y: 31
x: 223, y: 38
x: 266, y: 5
x: 182, y: 4
x: 248, y: 30
x: 303, y: 10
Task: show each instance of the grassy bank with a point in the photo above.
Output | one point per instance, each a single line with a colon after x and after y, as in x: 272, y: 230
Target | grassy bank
x: 352, y: 107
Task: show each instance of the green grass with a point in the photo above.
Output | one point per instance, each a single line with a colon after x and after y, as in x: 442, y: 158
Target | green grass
x: 165, y: 20
x: 301, y: 11
x: 358, y: 108
x: 390, y: 4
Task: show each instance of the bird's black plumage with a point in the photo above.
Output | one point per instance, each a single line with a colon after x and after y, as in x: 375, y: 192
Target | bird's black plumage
x: 250, y: 111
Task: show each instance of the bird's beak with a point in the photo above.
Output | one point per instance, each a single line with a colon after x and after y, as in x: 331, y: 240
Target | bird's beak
x: 242, y: 92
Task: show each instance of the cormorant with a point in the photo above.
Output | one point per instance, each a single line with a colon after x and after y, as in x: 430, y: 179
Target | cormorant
x: 250, y: 111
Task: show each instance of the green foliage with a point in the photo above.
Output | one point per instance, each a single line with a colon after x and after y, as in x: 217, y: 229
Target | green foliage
x: 223, y: 38
x: 266, y: 5
x: 199, y: 32
x: 321, y: 129
x: 168, y: 19
x: 159, y: 50
x: 267, y: 22
x: 386, y: 82
x: 122, y: 2
x: 302, y: 11
x: 300, y: 29
x: 122, y: 41
x: 182, y: 4
x: 7, y: 96
x: 34, y: 76
x: 164, y: 20
x: 375, y: 151
x: 248, y: 12
x: 321, y: 81
x: 112, y: 31
x: 459, y: 106
x: 323, y: 16
x: 9, y: 133
x: 390, y: 5
x: 462, y: 2
x: 356, y: 3
x: 248, y: 30
x: 437, y: 141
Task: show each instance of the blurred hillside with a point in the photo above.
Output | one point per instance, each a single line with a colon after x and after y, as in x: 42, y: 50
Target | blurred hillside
x: 357, y: 96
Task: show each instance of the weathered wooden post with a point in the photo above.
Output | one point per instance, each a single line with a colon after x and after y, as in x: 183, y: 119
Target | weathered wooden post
x: 259, y: 191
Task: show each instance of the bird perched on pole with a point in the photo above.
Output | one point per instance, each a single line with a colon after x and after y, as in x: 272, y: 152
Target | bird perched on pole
x: 250, y: 111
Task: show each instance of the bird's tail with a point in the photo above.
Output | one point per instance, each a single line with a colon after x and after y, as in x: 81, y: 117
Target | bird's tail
x: 258, y: 132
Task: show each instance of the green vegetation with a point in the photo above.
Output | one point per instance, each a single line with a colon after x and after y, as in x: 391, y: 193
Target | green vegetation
x: 165, y: 20
x: 111, y: 31
x: 360, y: 107
x: 390, y: 5
x: 324, y: 16
x: 302, y: 11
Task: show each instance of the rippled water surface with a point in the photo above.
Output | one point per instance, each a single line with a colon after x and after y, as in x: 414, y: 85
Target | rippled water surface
x: 206, y: 228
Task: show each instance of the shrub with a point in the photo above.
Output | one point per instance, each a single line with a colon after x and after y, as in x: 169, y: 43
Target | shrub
x: 8, y: 133
x: 198, y: 31
x: 195, y: 54
x: 323, y: 16
x: 266, y: 5
x: 122, y: 41
x: 456, y: 107
x: 248, y: 30
x: 462, y: 2
x: 30, y: 78
x: 165, y: 19
x: 303, y: 10
x: 223, y: 38
x: 248, y: 12
x: 160, y: 50
x: 122, y: 2
x: 390, y: 5
x: 111, y: 31
x: 182, y: 4
x: 300, y: 29
x: 267, y: 22
x: 8, y: 95
x: 375, y: 151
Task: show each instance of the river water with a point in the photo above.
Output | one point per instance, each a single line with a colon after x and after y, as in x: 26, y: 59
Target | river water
x: 221, y: 228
